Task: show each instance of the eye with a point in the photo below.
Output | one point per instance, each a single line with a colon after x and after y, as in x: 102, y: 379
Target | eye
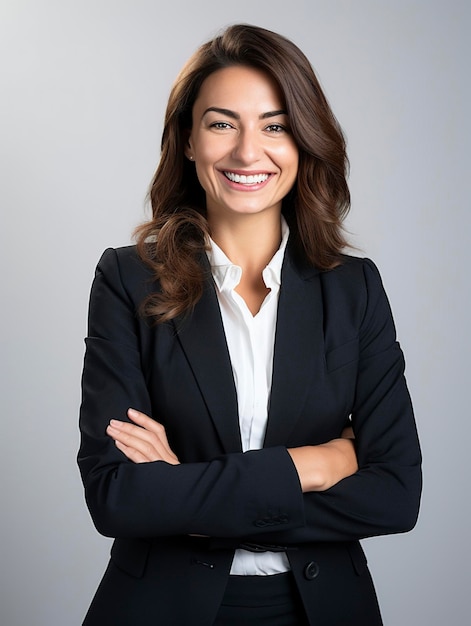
x: 221, y: 125
x: 276, y: 128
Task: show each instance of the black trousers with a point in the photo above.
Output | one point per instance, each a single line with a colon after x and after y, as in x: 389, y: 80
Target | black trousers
x: 261, y: 601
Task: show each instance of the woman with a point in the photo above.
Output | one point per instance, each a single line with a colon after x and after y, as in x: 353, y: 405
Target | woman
x: 251, y: 351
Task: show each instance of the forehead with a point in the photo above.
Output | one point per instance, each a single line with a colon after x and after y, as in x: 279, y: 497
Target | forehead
x: 239, y: 87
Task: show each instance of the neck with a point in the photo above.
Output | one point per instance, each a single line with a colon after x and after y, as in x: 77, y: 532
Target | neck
x: 249, y: 241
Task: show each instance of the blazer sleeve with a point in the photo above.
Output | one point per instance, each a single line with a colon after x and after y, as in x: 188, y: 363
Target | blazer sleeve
x: 383, y: 496
x: 218, y: 498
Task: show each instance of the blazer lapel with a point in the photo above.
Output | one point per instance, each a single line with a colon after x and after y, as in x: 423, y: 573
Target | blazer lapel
x: 202, y: 337
x: 298, y: 362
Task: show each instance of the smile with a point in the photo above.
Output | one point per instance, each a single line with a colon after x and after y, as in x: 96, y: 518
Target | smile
x: 242, y: 179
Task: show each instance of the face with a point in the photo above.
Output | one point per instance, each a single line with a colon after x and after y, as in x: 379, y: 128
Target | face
x: 245, y: 156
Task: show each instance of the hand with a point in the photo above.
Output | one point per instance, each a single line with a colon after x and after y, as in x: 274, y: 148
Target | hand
x: 323, y: 466
x: 142, y: 442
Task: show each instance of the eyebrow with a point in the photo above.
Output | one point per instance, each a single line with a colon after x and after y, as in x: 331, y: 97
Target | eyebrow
x: 236, y: 116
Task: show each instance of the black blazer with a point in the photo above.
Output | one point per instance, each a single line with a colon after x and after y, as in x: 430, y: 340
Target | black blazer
x: 336, y: 355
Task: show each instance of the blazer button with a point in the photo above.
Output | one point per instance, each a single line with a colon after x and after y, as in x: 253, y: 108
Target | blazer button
x: 311, y: 570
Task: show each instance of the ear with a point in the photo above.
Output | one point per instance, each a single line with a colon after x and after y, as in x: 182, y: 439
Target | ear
x: 188, y: 147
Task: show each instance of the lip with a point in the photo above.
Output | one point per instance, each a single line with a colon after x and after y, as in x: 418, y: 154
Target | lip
x: 244, y: 186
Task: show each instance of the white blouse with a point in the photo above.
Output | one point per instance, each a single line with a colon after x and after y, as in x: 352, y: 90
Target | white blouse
x: 250, y: 340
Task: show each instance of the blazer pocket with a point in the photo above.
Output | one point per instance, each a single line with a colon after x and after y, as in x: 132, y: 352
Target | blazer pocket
x: 342, y: 355
x: 131, y: 555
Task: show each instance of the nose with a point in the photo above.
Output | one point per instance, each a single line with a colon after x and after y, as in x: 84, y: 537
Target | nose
x: 248, y: 147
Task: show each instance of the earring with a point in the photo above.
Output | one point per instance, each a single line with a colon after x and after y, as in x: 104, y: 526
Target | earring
x: 191, y: 157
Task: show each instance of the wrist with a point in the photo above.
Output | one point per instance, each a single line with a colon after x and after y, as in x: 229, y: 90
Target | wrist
x: 309, y: 462
x: 323, y: 466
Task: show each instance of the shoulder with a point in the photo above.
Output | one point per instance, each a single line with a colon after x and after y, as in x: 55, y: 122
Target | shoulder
x: 350, y: 270
x: 354, y: 278
x: 124, y: 267
x: 353, y: 274
x: 354, y: 265
x: 124, y: 260
x: 118, y: 256
x: 354, y: 290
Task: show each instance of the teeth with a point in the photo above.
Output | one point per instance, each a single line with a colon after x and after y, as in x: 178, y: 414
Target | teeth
x: 252, y: 179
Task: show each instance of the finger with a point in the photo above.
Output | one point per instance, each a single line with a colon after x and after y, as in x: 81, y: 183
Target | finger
x: 148, y: 423
x: 151, y: 425
x: 131, y: 453
x: 156, y: 438
x: 136, y: 438
x: 140, y: 418
x: 141, y: 440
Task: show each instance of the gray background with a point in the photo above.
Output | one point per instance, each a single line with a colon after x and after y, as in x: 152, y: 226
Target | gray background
x: 84, y: 85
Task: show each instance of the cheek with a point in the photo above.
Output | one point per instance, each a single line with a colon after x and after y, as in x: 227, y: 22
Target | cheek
x: 208, y: 155
x: 201, y: 175
x: 288, y: 157
x: 205, y: 173
x: 291, y: 163
x: 295, y: 163
x: 204, y: 156
x: 208, y: 148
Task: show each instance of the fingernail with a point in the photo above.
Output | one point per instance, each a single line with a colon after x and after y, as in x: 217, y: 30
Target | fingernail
x: 115, y: 423
x: 133, y: 412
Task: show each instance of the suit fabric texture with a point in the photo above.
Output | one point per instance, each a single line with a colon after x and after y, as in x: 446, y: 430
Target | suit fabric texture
x: 336, y: 356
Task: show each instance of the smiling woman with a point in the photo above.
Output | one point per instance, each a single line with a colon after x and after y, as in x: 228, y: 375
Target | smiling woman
x: 246, y: 158
x: 271, y: 426
x: 317, y: 202
x: 246, y: 161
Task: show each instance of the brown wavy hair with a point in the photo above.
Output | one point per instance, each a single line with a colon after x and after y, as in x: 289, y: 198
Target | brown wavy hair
x: 173, y: 240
